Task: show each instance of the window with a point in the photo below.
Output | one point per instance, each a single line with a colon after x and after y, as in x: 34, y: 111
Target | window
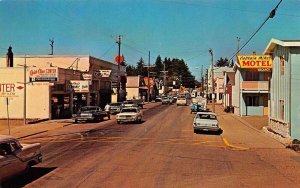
x: 5, y: 149
x: 252, y: 101
x: 252, y: 76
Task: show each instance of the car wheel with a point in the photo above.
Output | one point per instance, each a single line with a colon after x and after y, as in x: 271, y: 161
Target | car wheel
x: 76, y: 121
x: 118, y: 122
x: 195, y: 131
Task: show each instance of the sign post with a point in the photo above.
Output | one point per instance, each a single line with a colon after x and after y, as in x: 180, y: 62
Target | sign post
x: 7, y: 115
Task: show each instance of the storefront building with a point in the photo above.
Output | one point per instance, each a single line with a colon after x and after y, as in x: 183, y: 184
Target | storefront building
x: 251, y: 90
x: 284, y: 115
x: 78, y: 81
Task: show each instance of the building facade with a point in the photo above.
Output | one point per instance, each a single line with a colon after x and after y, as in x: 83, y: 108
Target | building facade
x: 284, y: 115
x: 77, y: 81
x: 250, y: 93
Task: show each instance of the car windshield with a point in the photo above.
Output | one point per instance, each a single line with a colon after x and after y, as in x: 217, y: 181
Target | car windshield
x: 88, y: 108
x: 206, y: 116
x: 129, y: 110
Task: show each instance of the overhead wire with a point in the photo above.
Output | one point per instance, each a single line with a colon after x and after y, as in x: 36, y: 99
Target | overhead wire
x: 271, y: 15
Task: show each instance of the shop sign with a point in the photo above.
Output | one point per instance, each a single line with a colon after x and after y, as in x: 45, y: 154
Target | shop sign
x: 47, y: 74
x: 260, y: 62
x: 87, y: 76
x: 10, y: 89
x: 151, y: 82
x: 79, y: 86
x: 102, y: 73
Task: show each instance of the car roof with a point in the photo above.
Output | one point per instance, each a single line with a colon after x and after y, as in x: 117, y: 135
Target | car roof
x: 6, y: 137
x: 208, y: 113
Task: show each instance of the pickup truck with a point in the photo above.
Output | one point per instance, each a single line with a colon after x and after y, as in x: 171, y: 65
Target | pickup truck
x: 90, y: 113
x: 15, y: 158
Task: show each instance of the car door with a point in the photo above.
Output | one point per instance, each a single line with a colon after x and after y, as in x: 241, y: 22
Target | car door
x: 9, y: 163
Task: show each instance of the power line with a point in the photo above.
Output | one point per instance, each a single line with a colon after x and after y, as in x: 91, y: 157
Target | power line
x: 271, y: 15
x: 104, y: 54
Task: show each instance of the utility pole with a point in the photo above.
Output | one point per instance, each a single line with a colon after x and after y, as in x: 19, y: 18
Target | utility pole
x: 52, y: 45
x: 119, y: 41
x: 212, y: 79
x: 238, y: 45
x: 201, y: 80
x: 148, y: 68
x: 206, y: 84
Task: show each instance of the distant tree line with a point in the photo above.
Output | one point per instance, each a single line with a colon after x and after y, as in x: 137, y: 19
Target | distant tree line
x: 177, y: 70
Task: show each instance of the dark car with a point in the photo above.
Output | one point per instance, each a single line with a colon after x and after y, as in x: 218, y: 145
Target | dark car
x: 196, y: 107
x: 90, y: 113
x: 116, y: 107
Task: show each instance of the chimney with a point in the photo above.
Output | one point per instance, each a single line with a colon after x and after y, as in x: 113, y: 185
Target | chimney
x: 10, y: 57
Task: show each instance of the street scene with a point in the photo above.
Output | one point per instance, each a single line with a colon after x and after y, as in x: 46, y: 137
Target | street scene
x: 162, y: 151
x: 162, y: 93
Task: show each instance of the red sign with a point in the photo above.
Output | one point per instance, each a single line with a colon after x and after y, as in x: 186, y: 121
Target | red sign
x: 119, y: 59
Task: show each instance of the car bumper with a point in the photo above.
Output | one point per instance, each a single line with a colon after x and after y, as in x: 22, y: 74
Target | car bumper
x: 126, y: 120
x: 84, y: 118
x: 213, y: 129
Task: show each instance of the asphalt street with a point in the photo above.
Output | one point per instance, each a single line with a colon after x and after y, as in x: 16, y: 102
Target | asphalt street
x: 162, y: 151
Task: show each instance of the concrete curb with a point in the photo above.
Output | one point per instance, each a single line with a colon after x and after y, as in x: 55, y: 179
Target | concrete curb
x: 33, y: 134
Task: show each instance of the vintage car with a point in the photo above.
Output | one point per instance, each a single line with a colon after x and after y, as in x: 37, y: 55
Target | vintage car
x: 166, y: 100
x: 181, y: 101
x: 130, y: 114
x: 196, y: 107
x: 15, y: 158
x: 90, y: 113
x: 206, y: 121
x: 116, y: 107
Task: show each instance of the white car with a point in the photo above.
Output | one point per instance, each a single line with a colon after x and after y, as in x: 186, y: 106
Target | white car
x: 181, y: 101
x: 16, y: 158
x: 206, y: 121
x: 130, y: 114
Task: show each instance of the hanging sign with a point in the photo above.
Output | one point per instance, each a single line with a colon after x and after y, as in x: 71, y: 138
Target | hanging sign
x: 46, y: 74
x: 105, y: 73
x: 255, y: 61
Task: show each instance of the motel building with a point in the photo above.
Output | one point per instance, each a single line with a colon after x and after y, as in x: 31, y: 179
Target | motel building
x: 54, y: 86
x: 284, y: 115
x: 250, y: 94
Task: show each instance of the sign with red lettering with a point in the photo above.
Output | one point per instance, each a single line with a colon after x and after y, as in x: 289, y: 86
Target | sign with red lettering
x: 10, y: 89
x: 261, y: 62
x: 45, y: 74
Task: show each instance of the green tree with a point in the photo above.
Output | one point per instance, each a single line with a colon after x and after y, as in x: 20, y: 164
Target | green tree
x: 222, y: 62
x: 131, y: 70
x: 141, y: 69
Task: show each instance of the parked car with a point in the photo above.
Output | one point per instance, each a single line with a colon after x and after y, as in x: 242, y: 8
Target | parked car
x: 158, y: 99
x: 90, y: 113
x: 165, y: 100
x: 206, y: 121
x: 15, y: 158
x: 130, y: 114
x: 116, y: 107
x: 181, y: 101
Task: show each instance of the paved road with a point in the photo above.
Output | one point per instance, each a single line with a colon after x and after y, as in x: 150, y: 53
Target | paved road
x: 163, y: 151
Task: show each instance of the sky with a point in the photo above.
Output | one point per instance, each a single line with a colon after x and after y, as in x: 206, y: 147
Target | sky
x: 184, y: 29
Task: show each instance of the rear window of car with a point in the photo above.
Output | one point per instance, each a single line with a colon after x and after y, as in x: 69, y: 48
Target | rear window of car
x: 129, y: 110
x: 115, y: 104
x: 206, y: 116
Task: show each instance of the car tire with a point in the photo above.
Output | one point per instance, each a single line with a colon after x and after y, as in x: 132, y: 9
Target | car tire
x: 118, y: 122
x: 76, y: 121
x: 195, y: 131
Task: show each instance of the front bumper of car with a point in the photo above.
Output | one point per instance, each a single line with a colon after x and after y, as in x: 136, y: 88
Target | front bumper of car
x: 127, y: 118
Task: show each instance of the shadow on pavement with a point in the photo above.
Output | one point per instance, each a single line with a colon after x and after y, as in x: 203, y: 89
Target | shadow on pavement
x: 210, y: 132
x: 24, y: 179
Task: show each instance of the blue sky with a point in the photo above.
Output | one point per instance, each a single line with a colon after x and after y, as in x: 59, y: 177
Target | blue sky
x: 184, y: 29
